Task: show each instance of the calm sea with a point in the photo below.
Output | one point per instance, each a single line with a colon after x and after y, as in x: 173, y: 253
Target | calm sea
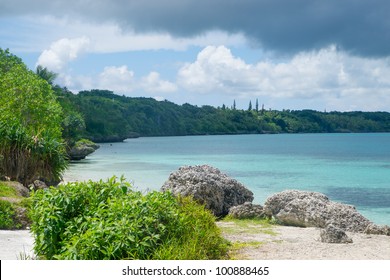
x: 349, y: 168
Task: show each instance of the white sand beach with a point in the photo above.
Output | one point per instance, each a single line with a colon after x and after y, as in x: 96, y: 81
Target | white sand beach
x: 15, y: 244
x: 294, y: 243
x: 289, y: 243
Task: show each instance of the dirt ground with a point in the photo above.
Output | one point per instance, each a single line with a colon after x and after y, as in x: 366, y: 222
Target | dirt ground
x: 292, y: 243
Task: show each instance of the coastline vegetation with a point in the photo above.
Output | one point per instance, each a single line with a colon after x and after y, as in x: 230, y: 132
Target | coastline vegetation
x: 109, y: 117
x: 31, y: 145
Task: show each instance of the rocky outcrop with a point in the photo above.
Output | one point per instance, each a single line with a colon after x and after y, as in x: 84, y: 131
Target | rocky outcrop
x: 247, y: 211
x: 209, y: 186
x: 376, y: 229
x: 312, y: 209
x: 333, y: 234
x: 81, y: 149
x: 18, y: 187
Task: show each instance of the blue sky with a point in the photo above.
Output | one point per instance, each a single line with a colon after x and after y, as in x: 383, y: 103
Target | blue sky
x: 288, y: 54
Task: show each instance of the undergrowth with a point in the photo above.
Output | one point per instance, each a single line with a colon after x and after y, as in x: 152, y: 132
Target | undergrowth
x: 12, y: 208
x: 110, y: 220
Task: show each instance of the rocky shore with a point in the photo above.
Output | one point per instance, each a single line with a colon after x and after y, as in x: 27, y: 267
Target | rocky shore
x: 223, y: 195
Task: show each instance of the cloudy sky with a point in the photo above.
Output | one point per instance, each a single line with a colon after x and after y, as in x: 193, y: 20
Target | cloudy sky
x: 288, y: 54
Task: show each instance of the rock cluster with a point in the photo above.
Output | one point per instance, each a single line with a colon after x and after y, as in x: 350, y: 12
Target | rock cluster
x: 224, y: 195
x: 209, y: 186
x: 247, y: 211
x: 312, y: 209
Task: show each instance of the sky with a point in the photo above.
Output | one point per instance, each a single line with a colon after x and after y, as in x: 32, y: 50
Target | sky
x: 331, y: 55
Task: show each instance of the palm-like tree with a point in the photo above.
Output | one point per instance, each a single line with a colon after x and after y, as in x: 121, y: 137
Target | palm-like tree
x: 46, y: 74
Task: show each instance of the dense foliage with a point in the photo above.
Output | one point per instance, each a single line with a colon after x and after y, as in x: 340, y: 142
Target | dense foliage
x: 7, y: 215
x: 31, y: 145
x: 110, y: 220
x: 110, y: 117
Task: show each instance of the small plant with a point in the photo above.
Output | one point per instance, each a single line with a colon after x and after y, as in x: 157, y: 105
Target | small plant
x: 109, y: 220
x: 25, y: 256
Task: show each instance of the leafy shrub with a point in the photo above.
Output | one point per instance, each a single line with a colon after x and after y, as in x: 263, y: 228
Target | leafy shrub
x: 7, y: 214
x: 109, y: 220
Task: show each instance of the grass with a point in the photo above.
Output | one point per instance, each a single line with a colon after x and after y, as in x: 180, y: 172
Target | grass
x: 7, y: 191
x: 245, y: 230
x: 25, y: 256
x: 248, y: 226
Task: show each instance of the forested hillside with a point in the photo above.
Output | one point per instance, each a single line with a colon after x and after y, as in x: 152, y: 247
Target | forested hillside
x: 110, y: 117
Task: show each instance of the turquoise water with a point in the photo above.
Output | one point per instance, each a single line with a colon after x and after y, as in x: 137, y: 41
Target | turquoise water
x: 349, y: 168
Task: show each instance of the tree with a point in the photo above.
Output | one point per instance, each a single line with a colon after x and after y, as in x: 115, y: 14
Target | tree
x: 45, y: 74
x: 250, y: 105
x: 31, y: 145
x: 257, y: 105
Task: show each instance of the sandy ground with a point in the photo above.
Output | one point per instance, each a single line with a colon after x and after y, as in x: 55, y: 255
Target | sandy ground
x: 292, y: 243
x: 285, y: 243
x: 15, y: 244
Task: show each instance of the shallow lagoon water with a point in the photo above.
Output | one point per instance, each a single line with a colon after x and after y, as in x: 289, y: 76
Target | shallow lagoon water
x: 349, y: 168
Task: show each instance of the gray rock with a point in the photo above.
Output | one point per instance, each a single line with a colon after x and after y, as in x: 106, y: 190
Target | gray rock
x: 38, y: 185
x: 247, y: 211
x: 312, y: 209
x: 209, y: 186
x: 82, y: 149
x: 376, y: 229
x: 333, y: 234
x: 20, y: 189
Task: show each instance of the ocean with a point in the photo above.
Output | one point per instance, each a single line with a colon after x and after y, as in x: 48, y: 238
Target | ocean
x: 348, y: 168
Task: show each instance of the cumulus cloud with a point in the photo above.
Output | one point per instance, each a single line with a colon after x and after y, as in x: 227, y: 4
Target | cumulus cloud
x: 329, y: 74
x: 287, y: 26
x: 121, y: 80
x: 62, y: 52
x: 118, y: 79
x: 153, y: 83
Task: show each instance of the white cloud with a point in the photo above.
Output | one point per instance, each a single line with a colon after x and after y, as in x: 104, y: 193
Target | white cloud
x: 153, y: 83
x: 121, y: 80
x: 216, y: 69
x: 63, y: 51
x: 328, y: 76
x: 118, y: 79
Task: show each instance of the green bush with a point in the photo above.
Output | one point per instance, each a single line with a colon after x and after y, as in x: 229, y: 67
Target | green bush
x: 7, y: 215
x: 109, y: 220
